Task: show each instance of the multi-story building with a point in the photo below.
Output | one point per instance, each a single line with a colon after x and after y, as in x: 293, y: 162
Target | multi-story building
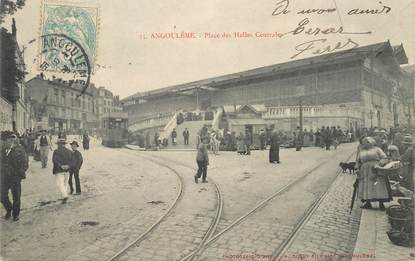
x: 5, y: 115
x: 13, y: 91
x: 362, y: 87
x: 59, y: 106
x: 106, y: 102
x: 410, y: 109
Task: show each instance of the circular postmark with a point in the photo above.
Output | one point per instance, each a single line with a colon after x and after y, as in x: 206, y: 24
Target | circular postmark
x: 63, y: 55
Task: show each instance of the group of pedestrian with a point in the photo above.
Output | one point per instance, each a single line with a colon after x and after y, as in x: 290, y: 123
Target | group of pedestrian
x: 66, y: 165
x: 14, y: 161
x: 331, y: 136
x: 243, y: 143
x: 376, y: 149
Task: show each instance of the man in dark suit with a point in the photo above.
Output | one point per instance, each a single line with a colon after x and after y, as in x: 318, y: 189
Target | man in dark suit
x: 186, y: 135
x: 14, y: 164
x: 75, y: 166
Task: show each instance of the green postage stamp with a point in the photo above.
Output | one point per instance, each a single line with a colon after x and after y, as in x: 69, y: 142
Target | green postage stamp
x: 76, y: 22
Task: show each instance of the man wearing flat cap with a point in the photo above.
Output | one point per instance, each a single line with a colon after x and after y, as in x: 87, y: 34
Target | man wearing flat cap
x: 14, y: 164
x: 61, y: 165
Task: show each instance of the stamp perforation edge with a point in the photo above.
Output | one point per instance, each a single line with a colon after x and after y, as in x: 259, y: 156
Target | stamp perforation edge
x: 80, y: 4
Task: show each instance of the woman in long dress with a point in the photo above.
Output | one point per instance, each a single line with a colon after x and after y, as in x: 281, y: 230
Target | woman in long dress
x: 240, y: 144
x: 371, y: 186
x: 274, y: 150
x: 85, y: 141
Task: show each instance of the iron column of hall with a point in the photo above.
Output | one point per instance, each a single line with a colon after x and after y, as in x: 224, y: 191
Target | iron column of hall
x: 301, y: 113
x: 300, y: 138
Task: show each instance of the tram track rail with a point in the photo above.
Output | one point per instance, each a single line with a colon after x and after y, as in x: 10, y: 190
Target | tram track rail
x: 210, y: 237
x: 213, y: 226
x: 142, y: 236
x: 197, y: 254
x: 282, y: 249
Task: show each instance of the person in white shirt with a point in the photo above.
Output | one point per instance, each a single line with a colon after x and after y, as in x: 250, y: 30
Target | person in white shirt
x: 44, y: 146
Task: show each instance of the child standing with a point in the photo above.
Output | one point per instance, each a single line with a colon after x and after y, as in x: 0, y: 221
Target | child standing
x: 76, y: 164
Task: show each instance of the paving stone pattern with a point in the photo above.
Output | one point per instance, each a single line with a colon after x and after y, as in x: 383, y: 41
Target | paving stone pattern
x: 117, y: 189
x: 385, y: 249
x: 265, y: 230
x: 182, y: 231
x: 331, y: 232
x: 105, y: 248
x: 247, y: 238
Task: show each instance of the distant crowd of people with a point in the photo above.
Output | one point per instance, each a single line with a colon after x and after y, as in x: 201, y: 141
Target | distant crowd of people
x: 324, y: 137
x: 14, y: 159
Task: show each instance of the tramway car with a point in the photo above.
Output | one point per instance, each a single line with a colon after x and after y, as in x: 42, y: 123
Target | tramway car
x: 114, y: 129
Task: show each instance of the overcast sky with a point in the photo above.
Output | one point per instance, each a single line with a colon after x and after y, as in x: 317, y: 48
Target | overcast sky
x: 134, y: 65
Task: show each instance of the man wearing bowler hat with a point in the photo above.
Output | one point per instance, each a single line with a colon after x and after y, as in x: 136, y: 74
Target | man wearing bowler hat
x: 76, y: 164
x: 61, y: 159
x: 14, y: 164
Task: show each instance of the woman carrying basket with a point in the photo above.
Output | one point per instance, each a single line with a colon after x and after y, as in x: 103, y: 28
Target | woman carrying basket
x: 371, y: 186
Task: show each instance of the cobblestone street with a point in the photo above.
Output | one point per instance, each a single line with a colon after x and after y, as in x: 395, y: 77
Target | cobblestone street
x: 126, y: 192
x: 120, y: 198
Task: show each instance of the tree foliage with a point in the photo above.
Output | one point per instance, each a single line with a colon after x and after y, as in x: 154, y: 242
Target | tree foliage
x: 11, y: 73
x: 8, y: 79
x: 8, y: 7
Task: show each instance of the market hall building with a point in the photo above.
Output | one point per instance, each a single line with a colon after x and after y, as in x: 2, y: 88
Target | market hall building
x: 362, y: 87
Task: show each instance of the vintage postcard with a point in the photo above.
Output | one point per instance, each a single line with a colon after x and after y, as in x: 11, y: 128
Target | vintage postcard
x: 207, y: 130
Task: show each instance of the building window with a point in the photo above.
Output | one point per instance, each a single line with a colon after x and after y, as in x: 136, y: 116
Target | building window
x: 367, y: 80
x: 56, y: 96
